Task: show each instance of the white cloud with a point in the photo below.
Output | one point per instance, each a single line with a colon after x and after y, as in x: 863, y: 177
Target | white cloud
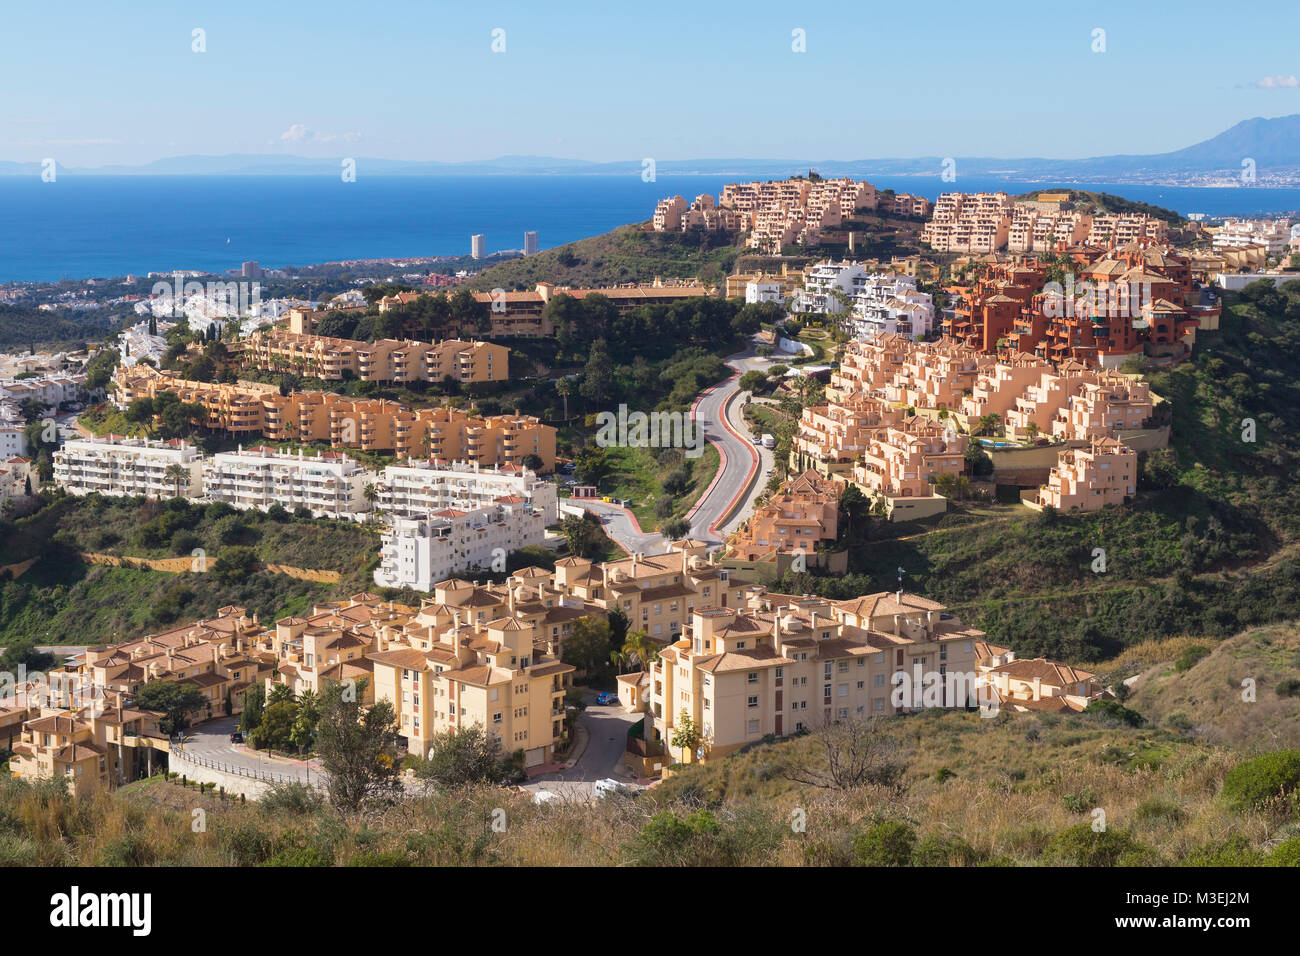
x: 1278, y: 82
x: 298, y: 133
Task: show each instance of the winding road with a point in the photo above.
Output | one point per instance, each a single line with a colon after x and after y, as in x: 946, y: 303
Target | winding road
x: 728, y: 499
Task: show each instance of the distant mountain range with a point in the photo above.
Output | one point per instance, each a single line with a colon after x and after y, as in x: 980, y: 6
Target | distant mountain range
x: 1273, y: 145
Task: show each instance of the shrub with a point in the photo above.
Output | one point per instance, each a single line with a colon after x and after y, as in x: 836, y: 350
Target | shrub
x: 1080, y: 801
x: 1081, y: 845
x: 1153, y: 810
x: 294, y: 797
x: 669, y: 840
x: 944, y: 851
x: 1189, y: 658
x: 1290, y: 687
x: 1264, y: 782
x: 1234, y: 851
x: 1286, y: 853
x: 1113, y: 713
x: 888, y: 843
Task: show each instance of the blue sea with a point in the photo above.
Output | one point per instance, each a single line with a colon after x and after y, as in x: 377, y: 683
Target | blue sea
x: 92, y: 226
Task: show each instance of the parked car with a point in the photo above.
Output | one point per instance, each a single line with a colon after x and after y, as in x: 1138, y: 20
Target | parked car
x: 603, y: 788
x: 607, y: 697
x: 236, y: 738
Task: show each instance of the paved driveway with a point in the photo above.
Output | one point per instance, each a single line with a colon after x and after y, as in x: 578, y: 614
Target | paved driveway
x: 211, y: 741
x: 607, y: 727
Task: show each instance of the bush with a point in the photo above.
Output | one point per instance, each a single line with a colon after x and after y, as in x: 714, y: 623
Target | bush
x: 291, y: 797
x: 944, y: 851
x: 1286, y: 853
x: 1153, y: 810
x: 1234, y: 851
x: 888, y: 843
x: 1290, y: 687
x: 1189, y: 658
x: 1113, y: 713
x: 1081, y: 801
x: 1265, y: 782
x: 1081, y: 845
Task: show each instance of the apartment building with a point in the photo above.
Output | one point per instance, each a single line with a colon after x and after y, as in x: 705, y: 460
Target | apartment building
x: 776, y: 214
x: 780, y: 664
x: 386, y: 360
x: 786, y: 282
x: 656, y: 592
x: 422, y: 487
x: 91, y: 748
x: 825, y: 283
x: 901, y: 462
x: 1035, y: 684
x: 997, y: 388
x: 17, y: 475
x: 1102, y: 406
x: 250, y: 408
x: 88, y: 731
x: 417, y: 552
x: 1274, y: 235
x: 1091, y: 478
x: 476, y: 656
x: 833, y: 436
x: 890, y: 305
x: 1118, y: 230
x: 129, y: 467
x: 975, y: 223
x: 801, y: 515
x: 328, y: 484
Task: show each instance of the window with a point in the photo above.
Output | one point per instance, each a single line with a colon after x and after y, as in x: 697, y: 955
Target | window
x: 753, y: 727
x: 753, y: 701
x: 752, y: 678
x: 496, y: 718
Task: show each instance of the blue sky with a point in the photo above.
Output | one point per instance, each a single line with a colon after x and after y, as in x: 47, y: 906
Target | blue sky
x: 96, y: 83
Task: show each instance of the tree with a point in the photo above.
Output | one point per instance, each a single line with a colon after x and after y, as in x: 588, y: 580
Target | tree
x: 587, y: 647
x: 854, y: 753
x: 234, y: 565
x: 592, y: 465
x: 466, y: 757
x: 597, y: 375
x: 276, y: 729
x: 752, y: 381
x: 674, y: 529
x: 303, y: 732
x: 564, y: 388
x: 856, y: 511
x: 677, y: 481
x: 582, y: 533
x: 639, y: 649
x: 358, y: 751
x: 254, y: 704
x: 175, y: 474
x: 532, y: 462
x: 686, y: 734
x: 178, y: 701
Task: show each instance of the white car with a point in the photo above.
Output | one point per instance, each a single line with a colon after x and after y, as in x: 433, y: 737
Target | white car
x: 603, y: 788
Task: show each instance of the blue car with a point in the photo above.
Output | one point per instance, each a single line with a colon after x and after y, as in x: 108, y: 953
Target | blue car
x: 608, y: 697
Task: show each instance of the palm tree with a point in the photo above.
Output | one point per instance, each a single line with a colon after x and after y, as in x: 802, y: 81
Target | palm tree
x: 564, y: 387
x: 619, y: 659
x: 638, y: 648
x: 176, y: 474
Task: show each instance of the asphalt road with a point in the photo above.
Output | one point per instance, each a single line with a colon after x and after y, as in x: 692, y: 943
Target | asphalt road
x: 211, y: 741
x: 738, y: 455
x: 607, y: 727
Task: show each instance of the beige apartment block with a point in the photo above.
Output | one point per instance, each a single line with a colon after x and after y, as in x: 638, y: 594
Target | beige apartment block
x: 1091, y: 478
x: 779, y: 664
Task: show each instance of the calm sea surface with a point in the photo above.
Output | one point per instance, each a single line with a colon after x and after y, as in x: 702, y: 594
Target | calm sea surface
x: 82, y: 226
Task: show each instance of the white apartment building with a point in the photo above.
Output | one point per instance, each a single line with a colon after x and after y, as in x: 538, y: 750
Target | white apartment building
x: 820, y: 284
x: 328, y: 484
x: 50, y: 389
x: 13, y: 440
x: 421, y: 487
x: 890, y: 304
x: 1273, y: 235
x: 129, y: 467
x: 764, y: 290
x: 418, y: 552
